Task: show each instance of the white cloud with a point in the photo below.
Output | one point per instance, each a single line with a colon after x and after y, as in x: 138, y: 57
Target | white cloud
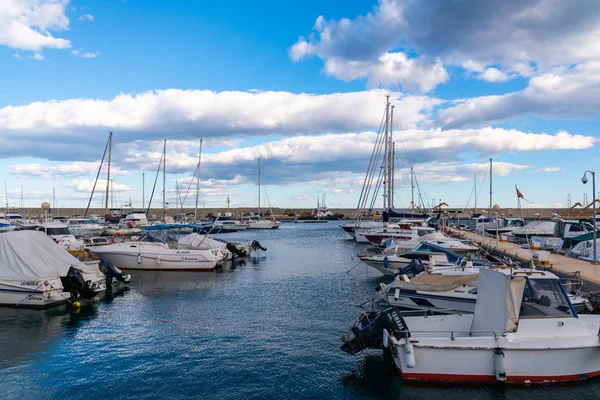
x: 192, y: 113
x: 35, y: 170
x: 548, y: 169
x: 26, y: 25
x: 86, y: 17
x: 494, y: 75
x: 75, y: 52
x: 89, y: 54
x: 544, y: 97
x: 86, y: 185
x: 17, y: 56
x: 37, y: 57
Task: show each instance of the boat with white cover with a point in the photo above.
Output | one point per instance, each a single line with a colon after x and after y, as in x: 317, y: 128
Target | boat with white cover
x: 35, y: 272
x: 524, y: 330
x: 157, y: 250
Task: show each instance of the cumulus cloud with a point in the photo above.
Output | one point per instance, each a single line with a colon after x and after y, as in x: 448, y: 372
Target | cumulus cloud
x: 26, y: 25
x: 544, y: 97
x: 184, y: 114
x: 86, y: 185
x: 36, y: 56
x: 548, y: 169
x: 35, y: 170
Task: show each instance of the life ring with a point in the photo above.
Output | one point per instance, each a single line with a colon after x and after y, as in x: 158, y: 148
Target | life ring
x: 117, y: 234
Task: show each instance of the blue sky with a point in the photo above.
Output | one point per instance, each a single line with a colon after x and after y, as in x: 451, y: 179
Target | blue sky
x: 302, y: 86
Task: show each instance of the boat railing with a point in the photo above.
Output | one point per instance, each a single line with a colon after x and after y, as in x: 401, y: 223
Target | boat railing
x: 572, y: 285
x: 434, y: 311
x: 451, y: 332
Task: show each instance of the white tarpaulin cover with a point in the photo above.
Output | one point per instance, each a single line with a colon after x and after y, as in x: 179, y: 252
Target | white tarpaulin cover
x: 437, y: 283
x: 32, y: 255
x: 498, y: 302
x: 196, y: 240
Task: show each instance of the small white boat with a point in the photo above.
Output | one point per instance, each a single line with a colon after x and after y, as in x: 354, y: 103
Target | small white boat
x: 260, y: 223
x: 156, y: 250
x: 62, y: 235
x: 35, y: 272
x: 84, y: 227
x: 524, y: 330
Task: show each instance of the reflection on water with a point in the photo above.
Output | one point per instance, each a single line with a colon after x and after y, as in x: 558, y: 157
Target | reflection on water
x: 266, y: 328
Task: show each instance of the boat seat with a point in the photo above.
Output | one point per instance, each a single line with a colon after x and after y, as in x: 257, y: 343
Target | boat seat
x: 545, y: 300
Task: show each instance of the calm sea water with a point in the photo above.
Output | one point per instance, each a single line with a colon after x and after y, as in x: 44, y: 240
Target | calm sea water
x: 267, y: 329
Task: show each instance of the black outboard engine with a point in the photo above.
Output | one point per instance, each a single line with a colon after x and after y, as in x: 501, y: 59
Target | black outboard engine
x: 233, y: 249
x: 111, y: 272
x: 76, y: 285
x: 414, y: 268
x: 368, y: 330
x: 255, y: 245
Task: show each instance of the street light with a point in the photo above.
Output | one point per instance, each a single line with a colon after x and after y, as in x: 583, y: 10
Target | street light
x: 584, y: 179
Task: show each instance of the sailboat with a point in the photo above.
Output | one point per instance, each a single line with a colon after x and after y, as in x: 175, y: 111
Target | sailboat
x: 259, y: 222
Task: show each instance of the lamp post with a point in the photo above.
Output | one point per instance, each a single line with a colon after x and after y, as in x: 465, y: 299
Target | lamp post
x: 584, y: 179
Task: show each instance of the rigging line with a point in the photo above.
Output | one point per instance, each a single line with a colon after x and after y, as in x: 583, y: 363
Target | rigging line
x: 361, y: 200
x: 375, y: 165
x: 96, y: 181
x: 189, y: 186
x: 483, y: 181
x: 269, y: 202
x: 155, y: 181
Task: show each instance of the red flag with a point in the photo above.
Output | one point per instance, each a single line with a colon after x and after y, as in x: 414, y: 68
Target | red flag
x: 519, y: 194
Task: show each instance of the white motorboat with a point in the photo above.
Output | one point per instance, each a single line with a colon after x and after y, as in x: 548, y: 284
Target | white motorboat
x: 451, y: 288
x: 156, y: 250
x: 352, y: 227
x: 524, y: 330
x: 35, y: 272
x: 438, y: 238
x: 397, y: 231
x: 197, y: 241
x: 62, y: 235
x: 84, y: 227
x: 134, y: 220
x: 224, y: 224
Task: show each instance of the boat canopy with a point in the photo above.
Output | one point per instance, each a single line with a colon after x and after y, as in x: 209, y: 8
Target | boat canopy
x: 173, y: 226
x: 437, y: 283
x: 31, y: 255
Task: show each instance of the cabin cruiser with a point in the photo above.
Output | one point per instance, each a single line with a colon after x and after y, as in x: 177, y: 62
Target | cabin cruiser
x: 261, y: 223
x: 438, y: 238
x: 524, y: 330
x: 62, y: 235
x: 226, y: 224
x: 35, y: 272
x: 452, y: 288
x: 398, y: 231
x: 84, y: 227
x: 503, y: 226
x: 360, y: 226
x: 157, y: 250
x: 197, y: 241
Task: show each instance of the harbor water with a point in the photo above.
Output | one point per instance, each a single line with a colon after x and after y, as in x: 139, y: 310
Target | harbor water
x: 268, y: 328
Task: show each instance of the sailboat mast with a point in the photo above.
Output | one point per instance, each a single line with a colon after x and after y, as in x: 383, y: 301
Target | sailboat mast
x: 108, y: 174
x: 475, y: 190
x: 259, y: 187
x: 198, y: 181
x: 386, y: 180
x: 491, y: 186
x: 164, y: 177
x: 143, y: 190
x: 391, y: 162
x: 412, y: 188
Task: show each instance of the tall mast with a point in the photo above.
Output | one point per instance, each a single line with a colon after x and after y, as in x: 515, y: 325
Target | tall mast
x: 475, y: 190
x: 165, y: 177
x: 144, y: 190
x: 391, y: 162
x: 490, y: 186
x: 108, y: 174
x: 198, y: 181
x: 259, y: 187
x: 412, y: 188
x: 386, y: 157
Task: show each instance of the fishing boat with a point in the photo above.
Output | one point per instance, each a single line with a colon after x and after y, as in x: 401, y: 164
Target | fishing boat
x: 524, y: 330
x: 158, y: 250
x: 35, y: 272
x: 320, y: 214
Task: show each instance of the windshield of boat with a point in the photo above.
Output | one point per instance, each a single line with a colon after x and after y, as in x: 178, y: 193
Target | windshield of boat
x: 57, y: 231
x: 545, y: 298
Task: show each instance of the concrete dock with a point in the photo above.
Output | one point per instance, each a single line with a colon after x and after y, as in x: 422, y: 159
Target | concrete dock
x: 559, y: 263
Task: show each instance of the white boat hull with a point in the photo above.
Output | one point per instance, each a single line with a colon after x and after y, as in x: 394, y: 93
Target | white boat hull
x: 266, y: 224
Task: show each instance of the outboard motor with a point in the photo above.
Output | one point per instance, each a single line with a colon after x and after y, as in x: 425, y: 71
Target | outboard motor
x: 414, y: 268
x: 76, y: 285
x: 233, y: 249
x: 111, y: 272
x: 255, y: 245
x: 368, y: 330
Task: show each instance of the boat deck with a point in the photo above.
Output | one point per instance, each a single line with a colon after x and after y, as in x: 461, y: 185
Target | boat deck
x: 558, y: 262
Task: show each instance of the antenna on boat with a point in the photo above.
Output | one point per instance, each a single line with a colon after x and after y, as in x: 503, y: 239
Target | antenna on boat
x: 259, y: 187
x: 164, y: 178
x: 198, y: 181
x: 491, y: 187
x: 143, y: 190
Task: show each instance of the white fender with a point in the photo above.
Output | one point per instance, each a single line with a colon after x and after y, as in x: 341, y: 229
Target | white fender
x: 396, y: 294
x: 139, y: 258
x: 499, y: 365
x: 385, y: 338
x: 409, y: 355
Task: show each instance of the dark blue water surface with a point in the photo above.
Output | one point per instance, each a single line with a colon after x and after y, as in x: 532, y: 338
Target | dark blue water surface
x: 267, y: 329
